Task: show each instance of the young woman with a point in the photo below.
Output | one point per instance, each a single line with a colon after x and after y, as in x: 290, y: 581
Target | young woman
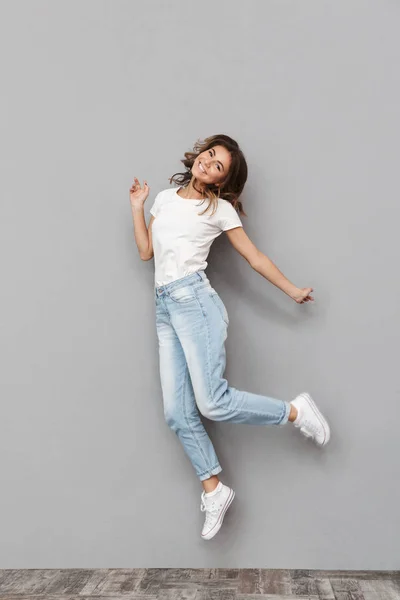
x: 192, y: 320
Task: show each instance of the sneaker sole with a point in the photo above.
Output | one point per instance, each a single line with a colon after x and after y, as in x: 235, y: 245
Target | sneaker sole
x: 218, y: 524
x: 320, y: 416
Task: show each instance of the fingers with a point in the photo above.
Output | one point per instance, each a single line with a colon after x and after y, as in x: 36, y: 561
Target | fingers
x: 136, y: 184
x: 307, y: 299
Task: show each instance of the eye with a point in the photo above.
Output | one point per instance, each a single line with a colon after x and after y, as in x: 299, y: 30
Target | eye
x: 218, y: 166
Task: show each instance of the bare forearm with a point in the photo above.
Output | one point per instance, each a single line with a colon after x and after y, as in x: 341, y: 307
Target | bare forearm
x: 141, y: 232
x: 265, y: 267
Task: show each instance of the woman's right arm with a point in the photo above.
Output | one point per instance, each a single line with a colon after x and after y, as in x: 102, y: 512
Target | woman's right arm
x: 138, y: 196
x: 142, y: 233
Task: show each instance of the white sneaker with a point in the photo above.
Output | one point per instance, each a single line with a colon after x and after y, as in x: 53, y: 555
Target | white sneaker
x: 311, y: 422
x: 215, y: 507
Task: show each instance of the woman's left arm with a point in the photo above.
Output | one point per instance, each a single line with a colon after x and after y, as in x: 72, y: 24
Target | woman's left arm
x: 265, y: 267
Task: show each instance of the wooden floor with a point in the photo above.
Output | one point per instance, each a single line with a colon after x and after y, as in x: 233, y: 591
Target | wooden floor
x: 197, y: 584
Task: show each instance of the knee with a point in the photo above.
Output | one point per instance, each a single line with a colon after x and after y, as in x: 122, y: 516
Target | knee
x: 170, y: 419
x: 173, y: 419
x: 212, y: 410
x: 214, y: 404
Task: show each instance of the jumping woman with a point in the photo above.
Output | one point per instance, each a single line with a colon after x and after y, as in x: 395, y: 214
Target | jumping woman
x: 192, y: 320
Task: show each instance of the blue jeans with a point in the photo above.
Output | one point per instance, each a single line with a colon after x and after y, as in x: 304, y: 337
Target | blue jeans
x: 192, y: 324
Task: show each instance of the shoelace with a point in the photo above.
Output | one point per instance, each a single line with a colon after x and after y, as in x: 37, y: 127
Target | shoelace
x: 210, y: 512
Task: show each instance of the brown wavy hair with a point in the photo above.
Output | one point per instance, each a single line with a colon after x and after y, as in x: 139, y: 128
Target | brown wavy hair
x: 233, y: 184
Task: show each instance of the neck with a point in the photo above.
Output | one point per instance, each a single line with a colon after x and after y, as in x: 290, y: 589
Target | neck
x: 191, y: 192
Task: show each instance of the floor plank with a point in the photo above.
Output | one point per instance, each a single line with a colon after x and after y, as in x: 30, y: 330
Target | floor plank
x: 197, y: 584
x: 376, y: 589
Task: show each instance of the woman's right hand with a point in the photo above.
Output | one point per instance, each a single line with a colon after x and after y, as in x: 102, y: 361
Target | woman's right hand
x: 138, y: 194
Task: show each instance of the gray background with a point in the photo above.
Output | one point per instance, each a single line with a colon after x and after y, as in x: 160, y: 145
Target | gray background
x: 95, y: 93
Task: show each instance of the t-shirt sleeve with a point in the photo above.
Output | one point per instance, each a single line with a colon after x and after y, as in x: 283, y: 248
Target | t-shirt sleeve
x: 229, y: 218
x: 156, y: 205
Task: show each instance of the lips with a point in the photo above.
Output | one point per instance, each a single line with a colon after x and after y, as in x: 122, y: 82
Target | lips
x: 202, y: 168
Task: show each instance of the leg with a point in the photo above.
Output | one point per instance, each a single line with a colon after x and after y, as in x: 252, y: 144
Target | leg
x: 210, y: 484
x: 201, y: 325
x: 180, y: 409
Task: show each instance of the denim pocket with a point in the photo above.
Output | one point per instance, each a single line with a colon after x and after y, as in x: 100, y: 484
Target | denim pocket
x: 220, y: 305
x: 182, y: 295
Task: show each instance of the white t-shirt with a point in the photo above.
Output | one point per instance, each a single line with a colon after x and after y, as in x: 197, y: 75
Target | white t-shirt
x: 181, y: 238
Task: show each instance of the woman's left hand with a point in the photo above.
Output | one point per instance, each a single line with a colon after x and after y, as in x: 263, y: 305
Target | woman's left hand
x: 302, y: 295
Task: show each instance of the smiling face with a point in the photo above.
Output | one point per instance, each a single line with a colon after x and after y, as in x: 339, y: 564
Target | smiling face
x: 212, y: 165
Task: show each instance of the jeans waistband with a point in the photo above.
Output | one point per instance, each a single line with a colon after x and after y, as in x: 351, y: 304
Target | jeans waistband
x: 189, y: 279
